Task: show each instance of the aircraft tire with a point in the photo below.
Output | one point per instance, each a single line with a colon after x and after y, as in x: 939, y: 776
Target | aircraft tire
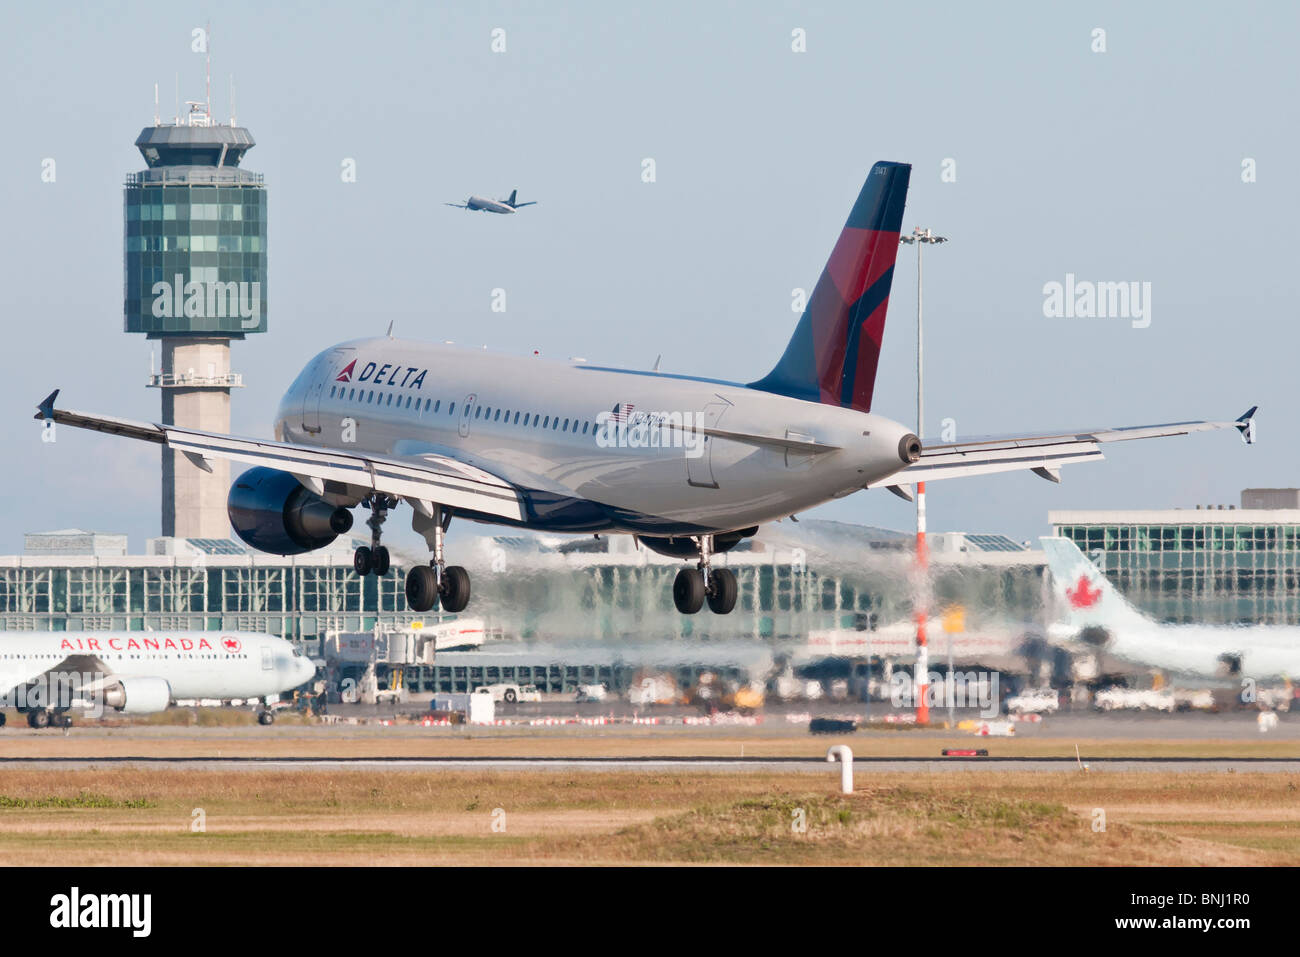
x: 688, y: 591
x: 40, y: 718
x: 455, y: 589
x: 725, y: 590
x: 362, y: 561
x: 266, y: 717
x: 379, y: 562
x: 421, y: 588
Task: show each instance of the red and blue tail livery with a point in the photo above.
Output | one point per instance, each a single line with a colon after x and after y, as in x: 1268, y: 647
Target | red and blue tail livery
x: 833, y: 355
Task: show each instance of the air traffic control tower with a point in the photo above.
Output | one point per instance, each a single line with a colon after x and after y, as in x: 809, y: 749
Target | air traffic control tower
x: 195, y: 262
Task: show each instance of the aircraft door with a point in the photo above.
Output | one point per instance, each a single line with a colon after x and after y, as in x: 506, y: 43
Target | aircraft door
x: 331, y: 367
x: 465, y: 414
x: 699, y: 448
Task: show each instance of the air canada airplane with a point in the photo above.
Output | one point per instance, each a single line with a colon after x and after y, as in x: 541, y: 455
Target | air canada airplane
x: 690, y: 465
x: 493, y: 205
x: 138, y: 672
x: 1095, y: 613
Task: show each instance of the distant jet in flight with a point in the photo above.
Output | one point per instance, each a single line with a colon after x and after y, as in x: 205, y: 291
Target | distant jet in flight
x: 492, y: 205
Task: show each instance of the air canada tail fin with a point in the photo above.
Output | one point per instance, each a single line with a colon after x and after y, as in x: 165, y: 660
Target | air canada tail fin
x: 833, y: 355
x: 1086, y: 595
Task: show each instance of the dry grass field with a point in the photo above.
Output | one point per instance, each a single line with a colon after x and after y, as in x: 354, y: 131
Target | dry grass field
x: 123, y: 815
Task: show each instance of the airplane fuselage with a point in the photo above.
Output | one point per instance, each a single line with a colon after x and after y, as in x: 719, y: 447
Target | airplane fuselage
x: 194, y: 664
x: 1261, y: 651
x: 488, y: 205
x: 539, y: 424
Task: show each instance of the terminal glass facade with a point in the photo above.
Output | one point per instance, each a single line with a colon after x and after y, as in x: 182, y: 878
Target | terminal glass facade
x: 1200, y: 571
x: 600, y: 600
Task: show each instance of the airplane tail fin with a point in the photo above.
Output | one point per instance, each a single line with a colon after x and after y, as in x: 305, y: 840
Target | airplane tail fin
x: 833, y: 355
x: 513, y: 194
x: 1086, y: 595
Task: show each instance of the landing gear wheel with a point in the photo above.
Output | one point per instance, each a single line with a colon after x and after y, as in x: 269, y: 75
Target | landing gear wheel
x: 62, y: 720
x: 379, y: 560
x: 362, y: 561
x: 688, y: 591
x: 2, y: 719
x: 421, y: 588
x: 38, y: 719
x: 722, y: 597
x: 266, y: 717
x: 455, y: 589
x: 510, y: 696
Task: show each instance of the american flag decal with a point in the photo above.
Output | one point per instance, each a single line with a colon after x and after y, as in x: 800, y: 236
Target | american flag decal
x: 621, y: 413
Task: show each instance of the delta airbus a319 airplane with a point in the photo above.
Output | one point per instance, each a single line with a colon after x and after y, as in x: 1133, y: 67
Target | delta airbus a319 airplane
x: 689, y: 465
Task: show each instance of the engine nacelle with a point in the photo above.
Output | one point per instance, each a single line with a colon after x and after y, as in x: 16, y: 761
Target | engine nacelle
x: 271, y: 511
x: 139, y: 695
x: 1095, y: 635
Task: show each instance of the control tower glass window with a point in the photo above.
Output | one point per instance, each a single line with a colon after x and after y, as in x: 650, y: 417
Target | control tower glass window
x: 213, y: 239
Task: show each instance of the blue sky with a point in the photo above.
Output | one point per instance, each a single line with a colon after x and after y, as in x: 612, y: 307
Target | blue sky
x: 1123, y: 165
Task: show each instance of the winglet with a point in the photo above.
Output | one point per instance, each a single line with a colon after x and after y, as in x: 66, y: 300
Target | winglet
x: 1246, y: 425
x: 46, y: 407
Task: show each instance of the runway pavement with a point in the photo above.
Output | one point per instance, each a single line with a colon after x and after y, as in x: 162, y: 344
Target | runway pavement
x: 864, y: 764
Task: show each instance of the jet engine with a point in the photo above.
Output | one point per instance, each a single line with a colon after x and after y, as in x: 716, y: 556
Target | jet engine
x: 683, y: 546
x: 1230, y: 664
x: 1095, y: 635
x: 138, y: 695
x: 273, y: 512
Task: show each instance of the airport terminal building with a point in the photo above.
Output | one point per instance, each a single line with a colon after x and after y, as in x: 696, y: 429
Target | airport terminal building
x: 1215, y: 565
x: 793, y: 580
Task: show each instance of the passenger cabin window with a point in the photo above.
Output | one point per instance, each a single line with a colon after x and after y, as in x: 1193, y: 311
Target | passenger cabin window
x: 451, y: 409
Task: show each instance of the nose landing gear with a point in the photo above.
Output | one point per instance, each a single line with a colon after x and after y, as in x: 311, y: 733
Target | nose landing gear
x: 694, y: 586
x: 436, y: 583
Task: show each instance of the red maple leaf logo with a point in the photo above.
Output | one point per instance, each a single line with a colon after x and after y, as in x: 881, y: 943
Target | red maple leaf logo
x: 1083, y: 595
x: 230, y: 644
x: 346, y: 374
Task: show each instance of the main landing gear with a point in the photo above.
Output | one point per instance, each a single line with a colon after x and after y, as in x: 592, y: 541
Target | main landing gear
x: 694, y: 586
x: 429, y: 585
x: 375, y: 558
x: 46, y: 718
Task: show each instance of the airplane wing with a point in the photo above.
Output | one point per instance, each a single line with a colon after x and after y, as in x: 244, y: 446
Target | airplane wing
x: 1044, y: 455
x: 423, y: 481
x: 86, y: 672
x: 458, y: 205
